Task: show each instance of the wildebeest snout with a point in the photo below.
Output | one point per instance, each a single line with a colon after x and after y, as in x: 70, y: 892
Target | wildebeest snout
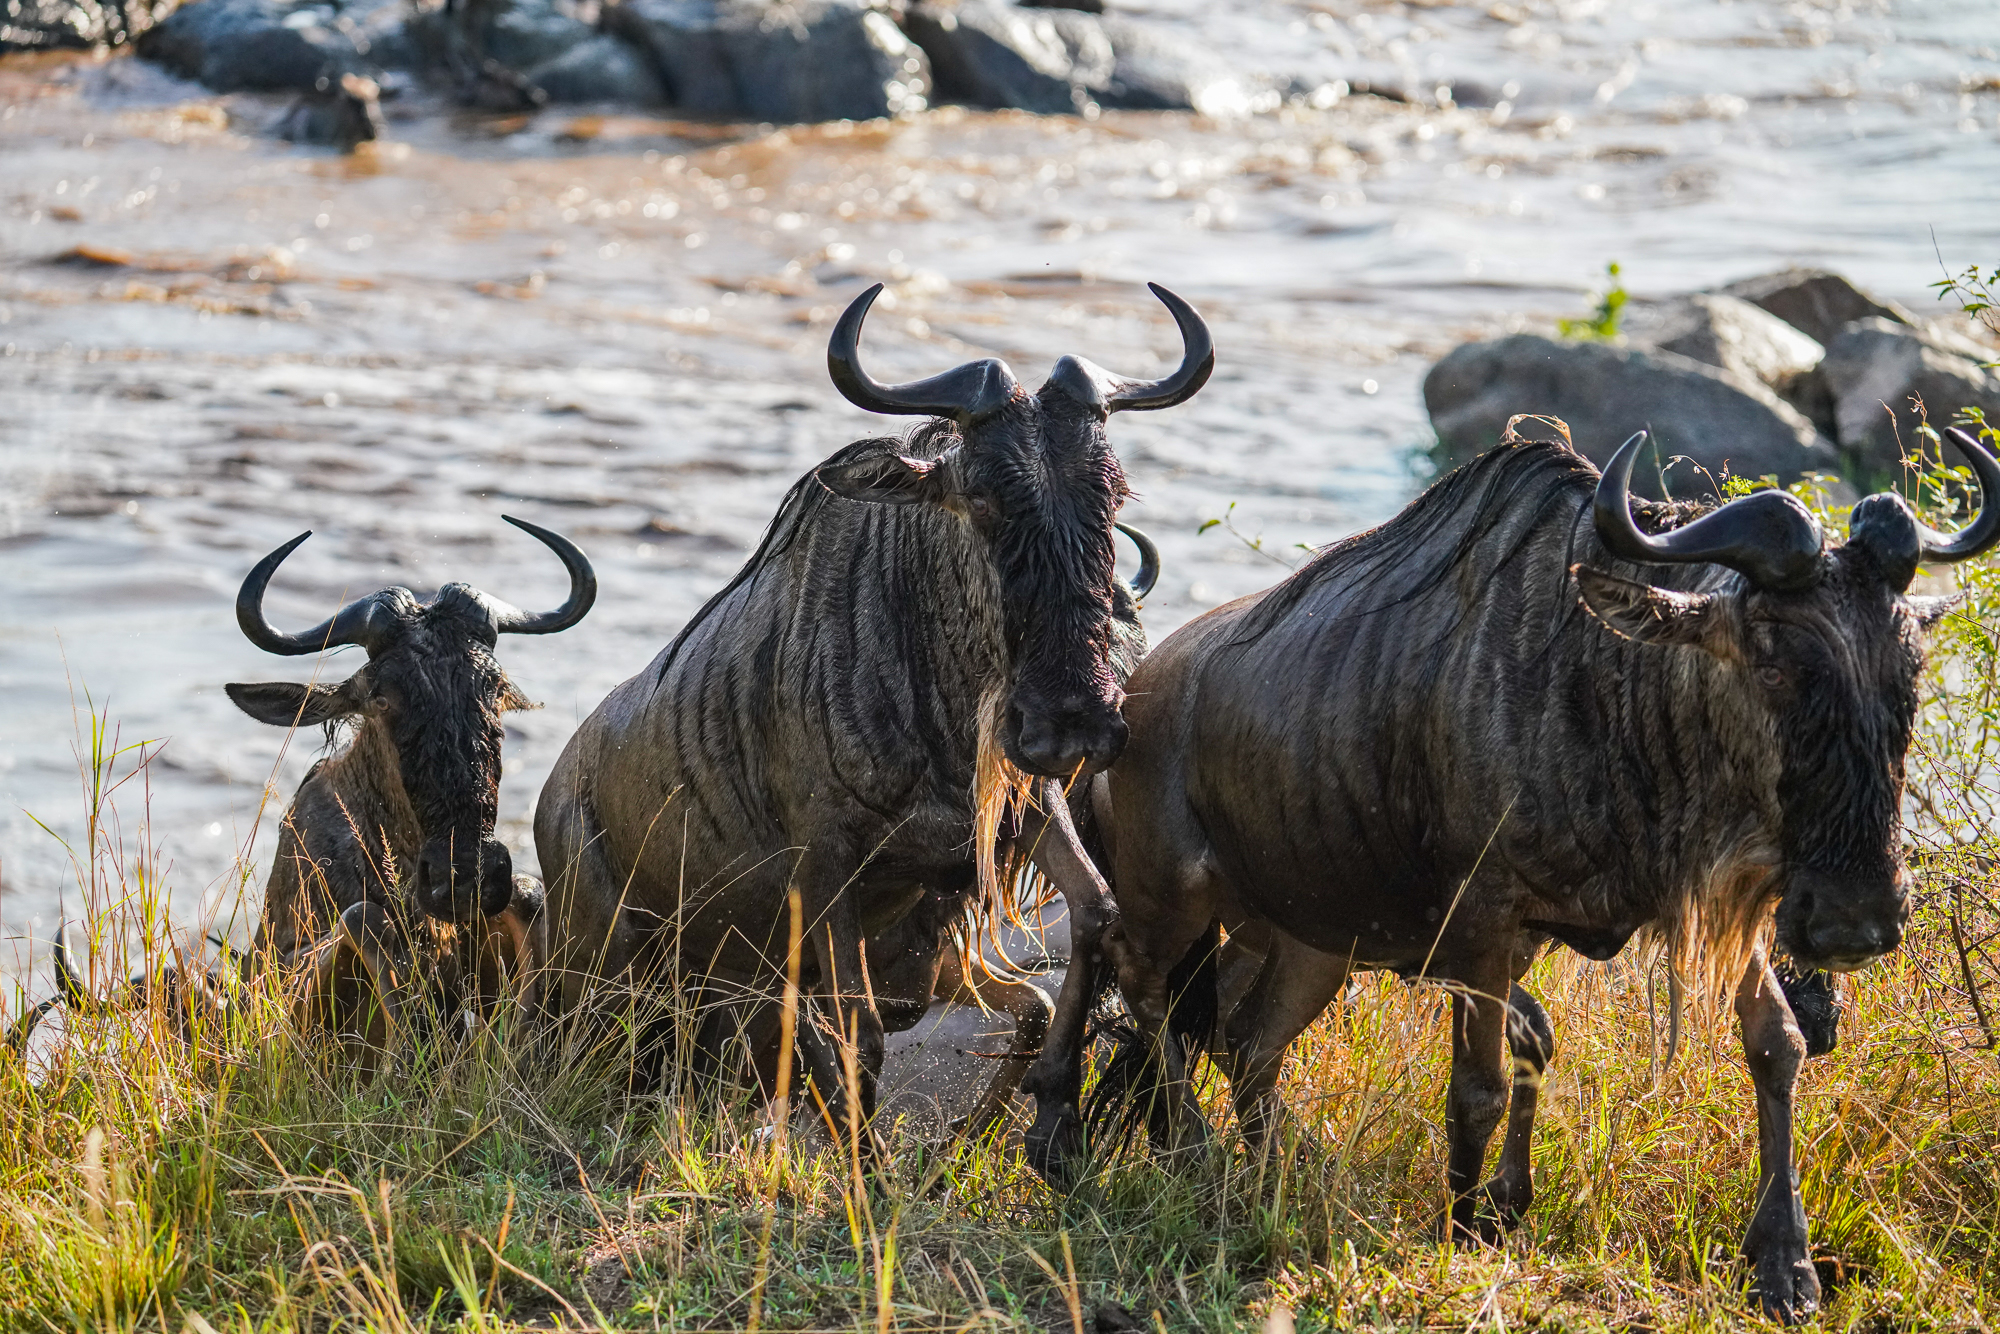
x: 462, y: 880
x: 1842, y: 923
x: 1054, y: 742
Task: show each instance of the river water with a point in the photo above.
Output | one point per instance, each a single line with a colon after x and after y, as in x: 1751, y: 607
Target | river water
x: 615, y: 326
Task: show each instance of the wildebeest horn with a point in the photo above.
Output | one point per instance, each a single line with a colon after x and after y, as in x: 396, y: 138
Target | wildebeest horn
x: 1149, y: 561
x: 1769, y: 537
x: 1115, y: 393
x: 582, y: 588
x: 361, y: 622
x: 1979, y: 536
x: 963, y: 394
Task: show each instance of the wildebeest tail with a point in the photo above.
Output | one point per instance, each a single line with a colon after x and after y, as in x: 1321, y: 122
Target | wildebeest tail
x: 1127, y: 1090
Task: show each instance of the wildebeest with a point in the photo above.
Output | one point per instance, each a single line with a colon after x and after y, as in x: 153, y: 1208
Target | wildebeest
x: 392, y: 837
x: 920, y: 614
x: 1514, y: 714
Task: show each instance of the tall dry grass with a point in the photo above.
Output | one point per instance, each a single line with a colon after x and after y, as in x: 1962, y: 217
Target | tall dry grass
x: 201, y: 1169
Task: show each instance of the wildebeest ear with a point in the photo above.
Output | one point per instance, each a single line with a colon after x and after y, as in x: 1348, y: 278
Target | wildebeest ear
x: 884, y: 479
x: 511, y: 698
x: 1931, y: 610
x: 283, y: 704
x: 1651, y: 615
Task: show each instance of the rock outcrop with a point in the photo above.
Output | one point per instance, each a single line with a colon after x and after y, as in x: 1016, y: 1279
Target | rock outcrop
x: 1878, y: 370
x: 1717, y: 420
x: 1815, y: 302
x: 1780, y: 375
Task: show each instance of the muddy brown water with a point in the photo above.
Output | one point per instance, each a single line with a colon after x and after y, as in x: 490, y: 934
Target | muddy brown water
x: 615, y: 325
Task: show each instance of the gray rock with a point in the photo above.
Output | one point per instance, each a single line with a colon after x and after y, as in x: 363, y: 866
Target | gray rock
x: 1813, y: 301
x: 814, y: 60
x: 1875, y: 367
x: 1157, y: 71
x: 684, y: 39
x: 255, y: 45
x: 988, y: 54
x: 602, y: 69
x: 1715, y: 418
x: 46, y: 25
x: 524, y: 34
x: 346, y: 113
x: 782, y: 60
x: 1732, y: 335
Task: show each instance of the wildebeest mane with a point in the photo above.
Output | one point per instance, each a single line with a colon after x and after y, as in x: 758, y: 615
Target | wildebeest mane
x: 1435, y: 535
x: 806, y: 499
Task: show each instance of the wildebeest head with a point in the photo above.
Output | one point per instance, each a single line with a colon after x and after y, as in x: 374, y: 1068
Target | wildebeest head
x: 1825, y: 644
x: 1035, y: 477
x: 433, y: 693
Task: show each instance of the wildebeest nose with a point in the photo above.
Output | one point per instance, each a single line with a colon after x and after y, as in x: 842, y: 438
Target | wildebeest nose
x: 462, y: 888
x: 1057, y: 745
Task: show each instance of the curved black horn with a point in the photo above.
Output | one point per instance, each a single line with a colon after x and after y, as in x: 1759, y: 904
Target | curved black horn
x: 1979, y: 536
x: 360, y: 622
x: 1769, y: 537
x: 1149, y: 561
x: 963, y: 394
x: 1114, y: 393
x: 582, y: 588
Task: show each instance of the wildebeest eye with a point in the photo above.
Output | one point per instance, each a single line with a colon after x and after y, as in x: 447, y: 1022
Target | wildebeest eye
x: 978, y: 506
x: 1770, y: 677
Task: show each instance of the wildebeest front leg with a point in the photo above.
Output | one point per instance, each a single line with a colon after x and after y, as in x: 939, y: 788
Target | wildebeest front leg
x: 1531, y: 1041
x: 1783, y: 1279
x: 1055, y: 1142
x: 1028, y: 1008
x: 1475, y: 1100
x: 843, y: 1046
x: 1293, y: 987
x: 515, y: 948
x: 361, y: 970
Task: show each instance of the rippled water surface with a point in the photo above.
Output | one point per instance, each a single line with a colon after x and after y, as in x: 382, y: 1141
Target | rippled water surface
x: 616, y: 326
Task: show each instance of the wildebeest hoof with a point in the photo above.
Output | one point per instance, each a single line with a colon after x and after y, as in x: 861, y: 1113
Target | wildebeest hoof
x: 1787, y: 1289
x: 1466, y: 1226
x: 1055, y: 1146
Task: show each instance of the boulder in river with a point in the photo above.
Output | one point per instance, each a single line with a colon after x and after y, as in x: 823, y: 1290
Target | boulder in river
x: 601, y: 69
x: 256, y: 45
x: 788, y: 60
x: 1876, y: 367
x: 814, y: 60
x: 526, y: 34
x: 684, y: 38
x: 46, y: 25
x: 1815, y: 302
x: 989, y: 53
x: 1716, y: 419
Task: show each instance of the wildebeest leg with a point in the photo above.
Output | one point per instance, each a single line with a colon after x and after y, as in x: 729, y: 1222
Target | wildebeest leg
x: 515, y: 946
x: 1293, y: 988
x: 834, y: 920
x: 360, y: 968
x: 1477, y: 1095
x: 1029, y: 1009
x: 1531, y: 1041
x: 1783, y: 1278
x: 1055, y: 1142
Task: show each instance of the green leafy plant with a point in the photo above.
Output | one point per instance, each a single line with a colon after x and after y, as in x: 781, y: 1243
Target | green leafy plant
x: 1602, y: 325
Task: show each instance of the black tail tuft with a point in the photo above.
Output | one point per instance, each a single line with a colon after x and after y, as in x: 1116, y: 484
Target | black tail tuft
x: 1125, y: 1090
